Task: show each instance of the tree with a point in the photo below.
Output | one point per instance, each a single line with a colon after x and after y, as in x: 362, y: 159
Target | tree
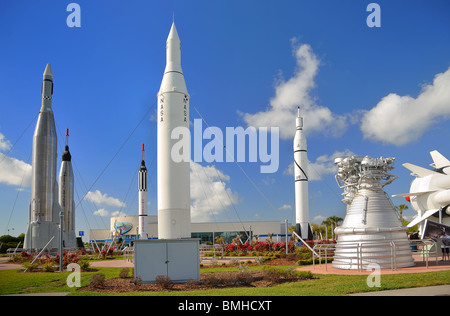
x: 400, y: 208
x: 332, y: 221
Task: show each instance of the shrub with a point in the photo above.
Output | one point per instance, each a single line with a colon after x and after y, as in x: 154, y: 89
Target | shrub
x: 277, y: 275
x: 29, y: 267
x: 137, y: 281
x: 124, y: 273
x: 164, y: 282
x: 47, y: 267
x: 84, y: 264
x: 97, y: 280
x: 260, y: 260
x: 235, y: 262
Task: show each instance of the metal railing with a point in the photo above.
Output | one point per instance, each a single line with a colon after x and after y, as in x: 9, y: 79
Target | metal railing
x: 128, y: 254
x: 426, y: 247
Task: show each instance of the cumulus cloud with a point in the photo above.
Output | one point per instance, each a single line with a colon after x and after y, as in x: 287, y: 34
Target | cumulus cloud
x: 99, y: 198
x: 209, y: 193
x: 101, y: 212
x: 399, y: 120
x: 322, y: 166
x: 13, y: 171
x: 285, y: 207
x: 296, y: 92
x: 4, y: 143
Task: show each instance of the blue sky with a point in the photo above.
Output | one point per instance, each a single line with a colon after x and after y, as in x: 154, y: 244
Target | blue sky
x: 368, y: 91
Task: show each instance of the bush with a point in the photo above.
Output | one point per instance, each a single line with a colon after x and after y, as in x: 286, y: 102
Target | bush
x: 84, y: 264
x: 164, y: 282
x: 260, y: 260
x: 47, y: 267
x: 124, y: 273
x: 276, y: 275
x: 97, y: 280
x: 29, y: 267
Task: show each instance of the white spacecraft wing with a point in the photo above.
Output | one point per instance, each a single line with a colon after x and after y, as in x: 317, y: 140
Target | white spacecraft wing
x: 412, y: 194
x: 419, y: 171
x: 439, y: 161
x: 419, y: 219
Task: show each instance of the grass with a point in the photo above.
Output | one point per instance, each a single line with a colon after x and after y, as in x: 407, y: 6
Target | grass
x: 13, y: 282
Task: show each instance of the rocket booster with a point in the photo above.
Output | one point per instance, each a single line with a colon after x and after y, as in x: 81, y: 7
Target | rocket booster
x: 44, y: 207
x: 66, y: 196
x: 143, y: 220
x: 302, y: 227
x: 174, y: 216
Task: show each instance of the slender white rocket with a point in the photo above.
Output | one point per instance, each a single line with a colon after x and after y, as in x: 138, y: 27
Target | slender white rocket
x: 174, y: 216
x: 66, y: 196
x: 302, y: 227
x: 143, y: 208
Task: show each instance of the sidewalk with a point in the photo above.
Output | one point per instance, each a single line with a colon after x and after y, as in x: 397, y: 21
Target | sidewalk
x: 439, y: 290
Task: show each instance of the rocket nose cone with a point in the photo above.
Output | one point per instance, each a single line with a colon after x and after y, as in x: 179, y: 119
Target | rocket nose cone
x: 48, y: 74
x: 173, y: 34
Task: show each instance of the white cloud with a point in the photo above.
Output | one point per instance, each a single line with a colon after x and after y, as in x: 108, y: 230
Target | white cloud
x: 209, y: 194
x: 296, y: 92
x: 399, y: 120
x: 319, y: 219
x: 103, y: 199
x: 4, y: 143
x: 285, y: 207
x: 14, y: 171
x: 101, y: 212
x: 322, y: 166
x: 118, y: 213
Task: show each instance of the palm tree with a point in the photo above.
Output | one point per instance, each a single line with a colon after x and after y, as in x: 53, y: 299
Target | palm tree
x: 400, y: 208
x: 220, y: 240
x: 332, y: 221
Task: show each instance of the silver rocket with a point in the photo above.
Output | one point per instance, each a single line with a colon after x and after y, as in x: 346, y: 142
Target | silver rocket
x: 66, y: 196
x: 174, y: 217
x: 143, y: 208
x: 302, y: 227
x: 44, y: 208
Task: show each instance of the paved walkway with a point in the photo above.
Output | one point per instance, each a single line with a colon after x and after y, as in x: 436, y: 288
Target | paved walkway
x: 420, y: 267
x: 439, y: 290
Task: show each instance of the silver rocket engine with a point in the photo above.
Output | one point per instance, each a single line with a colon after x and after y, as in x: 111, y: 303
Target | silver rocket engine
x: 302, y: 226
x: 66, y: 196
x: 372, y: 232
x: 143, y: 208
x: 44, y: 208
x: 174, y: 217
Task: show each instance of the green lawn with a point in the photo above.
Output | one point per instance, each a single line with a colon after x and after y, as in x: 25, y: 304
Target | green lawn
x: 13, y: 282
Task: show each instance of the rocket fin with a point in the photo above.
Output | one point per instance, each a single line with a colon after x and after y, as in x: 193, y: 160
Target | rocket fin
x: 419, y: 171
x: 439, y: 161
x: 419, y: 219
x: 412, y: 194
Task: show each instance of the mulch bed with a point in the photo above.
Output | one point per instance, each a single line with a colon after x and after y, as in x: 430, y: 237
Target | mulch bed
x: 216, y: 280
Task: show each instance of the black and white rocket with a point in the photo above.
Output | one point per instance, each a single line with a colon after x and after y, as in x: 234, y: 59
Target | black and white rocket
x: 143, y: 207
x: 44, y: 209
x: 302, y: 226
x: 66, y: 196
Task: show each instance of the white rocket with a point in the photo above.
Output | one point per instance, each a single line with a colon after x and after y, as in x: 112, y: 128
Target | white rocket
x: 143, y: 208
x: 174, y: 216
x: 66, y: 196
x: 430, y: 191
x: 302, y: 227
x: 44, y: 209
